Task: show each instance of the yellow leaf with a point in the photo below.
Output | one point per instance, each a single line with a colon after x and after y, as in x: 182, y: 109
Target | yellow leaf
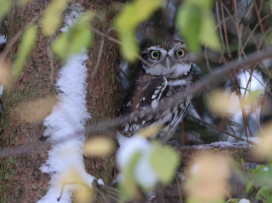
x: 83, y: 194
x: 221, y: 104
x: 98, y: 147
x: 4, y: 8
x: 28, y: 42
x: 150, y: 131
x: 127, y: 21
x: 51, y: 18
x: 208, y: 34
x: 264, y: 149
x: 37, y: 110
x: 208, y: 177
x: 242, y: 162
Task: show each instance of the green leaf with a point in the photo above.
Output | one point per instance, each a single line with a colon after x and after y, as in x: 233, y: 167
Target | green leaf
x: 189, y: 21
x: 4, y: 8
x: 165, y: 160
x: 127, y: 21
x: 128, y: 188
x: 207, y: 4
x: 77, y: 37
x: 27, y: 43
x: 51, y: 19
x: 249, y: 186
x: 197, y: 26
x: 208, y: 35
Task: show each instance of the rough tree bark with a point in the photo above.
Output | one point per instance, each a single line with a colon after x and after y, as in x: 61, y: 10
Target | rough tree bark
x: 20, y: 177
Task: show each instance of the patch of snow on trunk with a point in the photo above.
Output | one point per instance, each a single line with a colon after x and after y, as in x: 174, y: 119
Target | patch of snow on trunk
x: 68, y: 115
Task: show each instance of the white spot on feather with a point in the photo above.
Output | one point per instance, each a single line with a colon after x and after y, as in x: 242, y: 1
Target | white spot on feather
x: 154, y: 104
x: 177, y: 82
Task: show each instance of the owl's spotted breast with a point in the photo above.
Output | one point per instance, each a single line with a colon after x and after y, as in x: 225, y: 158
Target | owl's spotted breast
x: 149, y: 90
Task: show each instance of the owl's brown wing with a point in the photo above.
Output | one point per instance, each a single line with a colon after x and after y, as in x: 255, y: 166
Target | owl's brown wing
x: 146, y: 91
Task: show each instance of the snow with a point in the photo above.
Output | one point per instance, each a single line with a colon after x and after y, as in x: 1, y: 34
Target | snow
x: 144, y: 173
x: 222, y: 144
x: 2, y: 39
x: 100, y: 182
x: 68, y: 115
x: 244, y: 201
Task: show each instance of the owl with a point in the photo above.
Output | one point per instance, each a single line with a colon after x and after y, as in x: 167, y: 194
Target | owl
x: 166, y: 72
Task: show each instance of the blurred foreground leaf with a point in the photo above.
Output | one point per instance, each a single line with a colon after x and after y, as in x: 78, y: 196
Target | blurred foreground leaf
x: 27, y: 43
x: 4, y: 8
x: 196, y: 24
x: 127, y: 21
x: 98, y: 147
x: 264, y: 149
x: 129, y: 188
x: 165, y: 161
x: 37, y: 110
x: 51, y: 19
x: 82, y: 192
x: 77, y: 37
x: 223, y: 103
x: 150, y: 131
x: 208, y: 177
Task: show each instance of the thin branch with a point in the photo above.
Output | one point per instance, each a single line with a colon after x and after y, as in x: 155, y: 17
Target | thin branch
x: 225, y: 29
x: 218, y: 129
x: 99, y: 56
x: 50, y: 55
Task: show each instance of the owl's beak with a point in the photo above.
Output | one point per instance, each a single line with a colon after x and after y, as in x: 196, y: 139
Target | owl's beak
x: 168, y: 63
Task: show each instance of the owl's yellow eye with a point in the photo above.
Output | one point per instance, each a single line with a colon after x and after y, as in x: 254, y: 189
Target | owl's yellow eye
x: 154, y: 54
x: 180, y: 53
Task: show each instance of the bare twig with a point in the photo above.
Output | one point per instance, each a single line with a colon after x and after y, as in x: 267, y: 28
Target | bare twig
x: 225, y: 29
x: 220, y: 130
x: 99, y: 56
x: 50, y: 55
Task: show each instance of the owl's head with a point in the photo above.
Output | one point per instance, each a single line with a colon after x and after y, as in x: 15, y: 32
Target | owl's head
x: 169, y: 59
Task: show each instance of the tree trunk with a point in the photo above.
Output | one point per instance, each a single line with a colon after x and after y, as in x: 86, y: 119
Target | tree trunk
x: 21, y: 179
